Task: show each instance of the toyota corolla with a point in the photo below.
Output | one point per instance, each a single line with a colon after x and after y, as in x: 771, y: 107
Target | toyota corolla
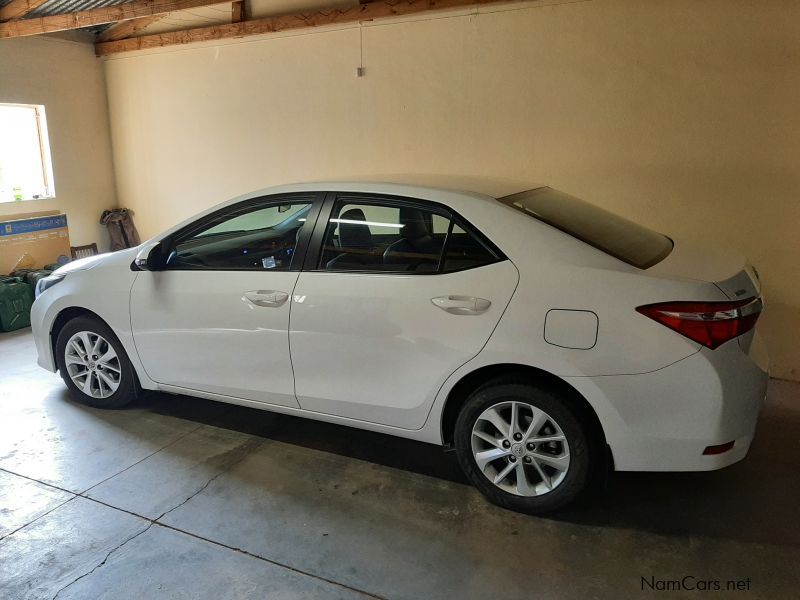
x: 543, y: 338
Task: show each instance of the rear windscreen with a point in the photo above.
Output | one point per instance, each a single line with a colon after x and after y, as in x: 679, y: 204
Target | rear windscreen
x: 614, y: 235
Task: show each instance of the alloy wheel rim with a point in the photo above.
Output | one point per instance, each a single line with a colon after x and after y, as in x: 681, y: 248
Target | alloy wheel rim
x: 520, y: 448
x: 92, y: 364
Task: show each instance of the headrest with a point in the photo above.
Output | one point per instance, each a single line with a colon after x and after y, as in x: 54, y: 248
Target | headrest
x: 353, y: 235
x: 414, y: 224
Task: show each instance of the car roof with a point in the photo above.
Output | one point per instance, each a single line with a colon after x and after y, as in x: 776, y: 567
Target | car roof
x: 409, y: 185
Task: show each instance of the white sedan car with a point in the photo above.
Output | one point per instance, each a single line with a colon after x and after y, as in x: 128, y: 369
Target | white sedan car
x: 542, y: 337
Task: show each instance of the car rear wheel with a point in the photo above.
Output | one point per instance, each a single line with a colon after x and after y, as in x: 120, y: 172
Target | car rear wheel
x: 94, y: 365
x: 522, y: 447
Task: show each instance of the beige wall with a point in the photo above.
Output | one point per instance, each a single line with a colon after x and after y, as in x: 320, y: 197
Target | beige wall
x: 66, y: 77
x: 682, y: 115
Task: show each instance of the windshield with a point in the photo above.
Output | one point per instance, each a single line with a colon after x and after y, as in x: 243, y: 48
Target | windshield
x: 266, y: 218
x: 614, y: 235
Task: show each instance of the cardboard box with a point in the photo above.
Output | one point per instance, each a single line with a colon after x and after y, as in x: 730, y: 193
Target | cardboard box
x: 37, y: 239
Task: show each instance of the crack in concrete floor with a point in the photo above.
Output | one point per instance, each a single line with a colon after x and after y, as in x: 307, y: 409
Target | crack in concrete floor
x: 227, y: 461
x: 230, y: 459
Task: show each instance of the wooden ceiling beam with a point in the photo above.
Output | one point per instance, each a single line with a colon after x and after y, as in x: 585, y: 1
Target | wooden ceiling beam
x: 98, y: 16
x: 16, y: 9
x: 125, y: 29
x: 378, y: 9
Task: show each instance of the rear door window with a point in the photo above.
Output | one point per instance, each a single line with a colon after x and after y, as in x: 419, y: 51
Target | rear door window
x: 614, y: 235
x: 465, y: 251
x: 392, y: 236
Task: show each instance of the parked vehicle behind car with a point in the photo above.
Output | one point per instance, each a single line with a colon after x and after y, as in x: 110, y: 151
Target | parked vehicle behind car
x: 544, y: 338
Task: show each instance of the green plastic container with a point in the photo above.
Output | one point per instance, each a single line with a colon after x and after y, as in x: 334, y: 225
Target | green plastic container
x: 21, y: 273
x: 15, y: 305
x: 33, y: 278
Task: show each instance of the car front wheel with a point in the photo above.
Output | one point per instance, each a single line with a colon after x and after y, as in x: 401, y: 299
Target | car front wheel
x: 522, y: 447
x: 94, y: 365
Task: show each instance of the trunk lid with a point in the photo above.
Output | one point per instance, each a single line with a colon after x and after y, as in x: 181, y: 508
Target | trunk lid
x: 727, y: 269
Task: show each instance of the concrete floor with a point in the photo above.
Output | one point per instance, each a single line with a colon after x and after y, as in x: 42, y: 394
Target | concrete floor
x: 184, y: 498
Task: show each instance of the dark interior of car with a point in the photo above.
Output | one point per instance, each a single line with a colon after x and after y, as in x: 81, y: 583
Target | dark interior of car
x: 414, y: 248
x: 351, y: 244
x: 270, y: 248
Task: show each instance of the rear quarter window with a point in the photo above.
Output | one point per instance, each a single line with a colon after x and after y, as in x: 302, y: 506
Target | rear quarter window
x: 614, y: 235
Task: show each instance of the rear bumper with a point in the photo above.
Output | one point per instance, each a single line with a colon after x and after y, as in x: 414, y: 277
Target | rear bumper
x: 667, y: 418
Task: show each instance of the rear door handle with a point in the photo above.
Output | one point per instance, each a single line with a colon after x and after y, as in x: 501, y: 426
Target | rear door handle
x: 462, y: 305
x: 266, y: 298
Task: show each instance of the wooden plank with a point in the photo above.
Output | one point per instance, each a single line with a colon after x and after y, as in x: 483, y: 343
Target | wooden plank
x: 16, y: 9
x: 333, y: 16
x: 237, y: 11
x: 97, y: 16
x: 125, y: 29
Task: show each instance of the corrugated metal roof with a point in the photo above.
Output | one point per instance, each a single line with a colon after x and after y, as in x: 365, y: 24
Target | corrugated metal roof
x: 57, y: 7
x: 188, y: 19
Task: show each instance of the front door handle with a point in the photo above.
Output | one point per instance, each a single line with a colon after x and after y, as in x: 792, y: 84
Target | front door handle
x: 462, y: 305
x: 266, y: 298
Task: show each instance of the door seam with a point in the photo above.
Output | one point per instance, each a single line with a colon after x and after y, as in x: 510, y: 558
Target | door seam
x: 308, y: 252
x: 289, y: 338
x: 470, y: 359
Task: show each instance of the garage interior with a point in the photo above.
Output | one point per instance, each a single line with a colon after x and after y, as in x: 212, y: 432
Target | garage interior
x: 681, y: 116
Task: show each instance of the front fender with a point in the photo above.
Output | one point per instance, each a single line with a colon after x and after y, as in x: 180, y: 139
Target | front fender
x: 104, y: 292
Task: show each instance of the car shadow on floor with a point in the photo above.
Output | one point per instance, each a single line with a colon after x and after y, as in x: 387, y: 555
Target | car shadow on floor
x: 752, y: 501
x: 399, y: 453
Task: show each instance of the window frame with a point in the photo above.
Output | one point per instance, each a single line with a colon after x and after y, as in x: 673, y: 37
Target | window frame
x: 314, y: 253
x: 251, y: 204
x: 45, y: 151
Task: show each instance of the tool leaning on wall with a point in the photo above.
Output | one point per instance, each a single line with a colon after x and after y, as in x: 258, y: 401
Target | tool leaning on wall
x: 121, y: 229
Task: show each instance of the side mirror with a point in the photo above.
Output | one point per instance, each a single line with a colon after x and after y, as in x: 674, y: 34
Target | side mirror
x: 147, y: 258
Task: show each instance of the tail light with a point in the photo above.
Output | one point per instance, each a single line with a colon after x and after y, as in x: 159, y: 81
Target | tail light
x: 708, y: 323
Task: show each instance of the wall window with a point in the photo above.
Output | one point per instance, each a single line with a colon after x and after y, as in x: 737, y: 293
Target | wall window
x: 391, y: 236
x: 26, y: 171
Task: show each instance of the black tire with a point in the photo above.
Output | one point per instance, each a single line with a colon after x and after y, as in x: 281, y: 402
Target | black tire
x: 129, y: 389
x: 577, y: 476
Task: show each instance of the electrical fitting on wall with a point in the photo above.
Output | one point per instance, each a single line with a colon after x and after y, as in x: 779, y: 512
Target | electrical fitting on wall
x: 360, y: 68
